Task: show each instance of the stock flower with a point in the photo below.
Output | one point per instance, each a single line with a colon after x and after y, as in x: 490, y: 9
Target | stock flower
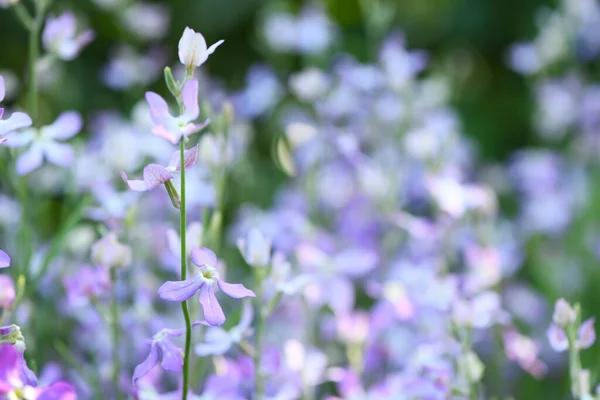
x: 162, y: 347
x: 255, y: 248
x: 219, y: 341
x: 175, y: 128
x: 46, y: 142
x: 7, y: 291
x: 15, y: 121
x: 4, y: 260
x: 87, y: 283
x: 192, y: 48
x: 109, y: 253
x: 204, y: 281
x: 155, y: 175
x: 60, y: 36
x: 563, y: 313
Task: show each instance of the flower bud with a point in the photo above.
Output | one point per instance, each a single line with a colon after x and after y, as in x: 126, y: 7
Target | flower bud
x: 564, y: 314
x: 11, y: 334
x: 255, y: 248
x: 192, y: 49
x: 7, y: 291
x: 108, y: 252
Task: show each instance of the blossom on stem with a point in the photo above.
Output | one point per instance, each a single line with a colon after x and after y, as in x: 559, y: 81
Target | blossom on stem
x: 219, y: 341
x: 155, y: 175
x: 15, y: 121
x: 175, y: 128
x: 4, y: 260
x: 109, y: 253
x: 60, y: 36
x: 193, y: 51
x: 255, y: 248
x: 559, y: 341
x: 204, y: 281
x: 46, y: 142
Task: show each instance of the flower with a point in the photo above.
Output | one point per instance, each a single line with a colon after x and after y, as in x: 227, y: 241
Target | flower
x: 204, y: 281
x: 564, y: 314
x: 7, y: 291
x: 46, y: 142
x: 219, y: 341
x: 192, y: 48
x: 4, y: 260
x: 59, y: 36
x: 155, y: 175
x: 87, y: 283
x: 109, y: 253
x: 586, y: 335
x: 255, y: 248
x: 15, y: 121
x: 175, y: 128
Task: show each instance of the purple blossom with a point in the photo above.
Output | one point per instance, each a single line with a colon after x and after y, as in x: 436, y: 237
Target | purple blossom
x: 175, y: 128
x: 204, y: 281
x: 586, y: 334
x: 255, y: 248
x: 87, y: 283
x: 4, y: 260
x: 161, y: 347
x: 16, y: 121
x: 219, y: 341
x: 47, y: 142
x: 155, y: 175
x: 60, y: 36
x: 557, y: 338
x: 7, y: 291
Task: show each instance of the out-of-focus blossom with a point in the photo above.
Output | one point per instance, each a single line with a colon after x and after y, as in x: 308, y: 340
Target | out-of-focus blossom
x: 128, y: 68
x: 16, y: 121
x: 155, y: 175
x: 524, y: 351
x: 310, y: 84
x: 204, y: 281
x: 46, y: 142
x: 261, y: 93
x: 4, y: 259
x: 255, y: 248
x: 60, y: 36
x: 564, y: 314
x: 147, y: 21
x: 218, y: 341
x: 88, y: 283
x: 215, y: 151
x: 7, y: 291
x: 175, y: 128
x: 586, y: 334
x: 193, y: 51
x: 109, y: 253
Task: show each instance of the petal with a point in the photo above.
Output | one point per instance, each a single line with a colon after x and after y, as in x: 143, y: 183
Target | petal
x: 237, y: 291
x: 202, y: 256
x: 355, y: 262
x: 30, y: 160
x: 155, y: 175
x: 180, y: 290
x: 2, y: 88
x: 58, y: 391
x: 137, y: 185
x: 159, y: 109
x: 247, y: 317
x: 586, y: 335
x: 9, y: 367
x: 16, y: 121
x: 340, y: 293
x: 146, y: 365
x: 4, y: 260
x: 213, y: 313
x: 189, y: 158
x: 189, y: 96
x: 190, y: 129
x: 161, y: 131
x: 67, y: 125
x: 557, y: 338
x: 217, y: 342
x: 213, y: 47
x: 19, y: 139
x: 172, y: 359
x: 60, y: 154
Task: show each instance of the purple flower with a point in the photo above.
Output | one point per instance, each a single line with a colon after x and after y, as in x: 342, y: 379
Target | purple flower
x: 586, y: 335
x: 175, y: 128
x: 219, y: 341
x: 162, y: 347
x: 7, y: 291
x: 46, y: 142
x: 60, y: 36
x: 15, y: 121
x: 204, y: 281
x: 155, y: 175
x: 255, y: 248
x: 557, y: 338
x: 564, y: 314
x: 193, y: 51
x: 87, y: 283
x: 4, y: 260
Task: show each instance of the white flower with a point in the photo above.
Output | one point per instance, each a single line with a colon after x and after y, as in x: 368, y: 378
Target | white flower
x: 193, y: 50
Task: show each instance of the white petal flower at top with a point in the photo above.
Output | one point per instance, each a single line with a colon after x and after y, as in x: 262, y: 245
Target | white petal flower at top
x: 193, y: 50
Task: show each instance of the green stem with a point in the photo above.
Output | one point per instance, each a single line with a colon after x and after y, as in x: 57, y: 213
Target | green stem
x: 115, y: 333
x: 184, y: 306
x: 260, y: 322
x: 34, y: 53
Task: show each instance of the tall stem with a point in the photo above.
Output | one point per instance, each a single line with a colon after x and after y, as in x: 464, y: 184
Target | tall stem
x: 260, y: 322
x: 34, y: 52
x: 115, y: 334
x: 184, y: 306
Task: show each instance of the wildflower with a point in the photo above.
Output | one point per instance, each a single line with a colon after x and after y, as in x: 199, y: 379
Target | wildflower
x: 564, y: 314
x: 4, y: 260
x: 204, y: 281
x: 109, y: 253
x: 175, y: 128
x: 255, y: 248
x: 87, y: 283
x: 15, y: 121
x: 7, y: 291
x: 46, y: 142
x: 219, y: 341
x: 59, y: 36
x: 155, y: 175
x: 192, y: 48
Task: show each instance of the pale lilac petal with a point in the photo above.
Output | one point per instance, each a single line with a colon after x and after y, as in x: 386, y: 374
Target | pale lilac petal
x: 189, y: 95
x: 19, y: 139
x: 146, y: 365
x: 67, y: 125
x: 189, y: 158
x: 557, y: 338
x: 340, y: 293
x: 247, y: 317
x: 137, y: 185
x: 355, y: 262
x: 211, y: 307
x: 180, y: 290
x: 159, y: 109
x: 60, y: 154
x: 202, y: 256
x: 2, y: 140
x: 172, y: 359
x: 586, y: 334
x: 217, y: 341
x: 213, y: 47
x: 2, y: 88
x: 58, y: 391
x: 155, y: 175
x: 190, y: 129
x: 30, y: 160
x: 16, y: 121
x: 4, y: 260
x: 237, y: 291
x: 161, y: 131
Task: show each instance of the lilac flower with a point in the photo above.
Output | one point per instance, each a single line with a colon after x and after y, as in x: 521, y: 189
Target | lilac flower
x: 219, y: 341
x: 147, y: 21
x: 204, y: 281
x: 192, y: 48
x: 557, y: 338
x: 255, y: 248
x: 60, y: 36
x: 162, y: 347
x: 175, y: 128
x: 155, y: 175
x: 524, y: 351
x: 109, y: 253
x: 46, y: 142
x: 4, y: 260
x: 87, y: 283
x: 7, y: 291
x: 16, y: 121
x: 586, y: 334
x: 564, y: 314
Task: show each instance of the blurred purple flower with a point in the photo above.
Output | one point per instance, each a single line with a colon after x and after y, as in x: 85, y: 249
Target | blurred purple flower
x: 204, y: 281
x: 60, y: 36
x: 46, y: 142
x: 218, y: 341
x: 7, y: 291
x: 4, y: 260
x: 255, y: 248
x: 146, y: 20
x: 87, y: 283
x: 586, y: 334
x: 261, y: 94
x: 175, y: 128
x: 16, y: 121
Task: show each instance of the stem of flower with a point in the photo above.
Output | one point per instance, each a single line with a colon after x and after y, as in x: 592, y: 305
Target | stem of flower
x: 115, y: 333
x: 34, y: 53
x: 184, y: 306
x: 259, y: 393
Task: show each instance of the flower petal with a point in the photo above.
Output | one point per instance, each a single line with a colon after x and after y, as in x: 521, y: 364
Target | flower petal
x: 58, y: 391
x: 214, y: 46
x: 586, y: 335
x: 60, y: 154
x: 180, y: 290
x: 67, y: 125
x: 146, y: 365
x: 30, y: 160
x: 202, y: 256
x: 172, y: 359
x: 155, y: 175
x: 237, y: 291
x: 16, y: 121
x: 2, y: 88
x: 213, y: 313
x: 217, y: 341
x: 557, y: 338
x: 189, y: 95
x: 189, y: 158
x: 4, y: 260
x: 159, y: 109
x: 137, y: 185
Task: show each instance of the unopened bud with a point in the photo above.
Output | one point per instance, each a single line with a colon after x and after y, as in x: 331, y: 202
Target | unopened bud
x: 564, y: 314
